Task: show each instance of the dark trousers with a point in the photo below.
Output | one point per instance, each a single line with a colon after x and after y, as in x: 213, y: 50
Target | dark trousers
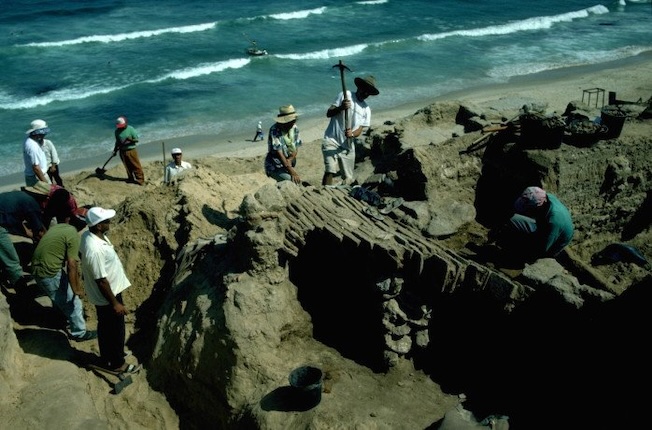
x: 55, y: 178
x: 111, y: 335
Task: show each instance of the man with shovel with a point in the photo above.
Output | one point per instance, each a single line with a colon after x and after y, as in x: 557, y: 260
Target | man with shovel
x: 349, y: 116
x: 126, y: 139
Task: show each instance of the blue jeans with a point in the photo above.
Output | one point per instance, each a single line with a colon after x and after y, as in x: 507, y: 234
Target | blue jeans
x: 58, y: 290
x: 280, y: 175
x: 9, y: 257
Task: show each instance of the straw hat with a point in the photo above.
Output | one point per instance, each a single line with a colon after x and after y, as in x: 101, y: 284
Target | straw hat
x: 286, y: 114
x: 367, y: 83
x: 41, y: 188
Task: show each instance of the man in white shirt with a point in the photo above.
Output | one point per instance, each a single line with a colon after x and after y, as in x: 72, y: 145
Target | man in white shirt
x: 349, y: 116
x: 104, y: 281
x: 36, y: 164
x: 176, y: 166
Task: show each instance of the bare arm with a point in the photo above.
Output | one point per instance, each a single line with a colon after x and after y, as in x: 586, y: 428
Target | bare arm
x: 38, y: 172
x: 74, y: 277
x: 288, y: 165
x: 105, y: 289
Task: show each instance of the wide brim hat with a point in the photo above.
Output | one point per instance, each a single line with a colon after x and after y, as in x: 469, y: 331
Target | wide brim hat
x: 286, y: 114
x: 368, y: 83
x: 40, y: 188
x: 38, y: 126
x: 96, y: 215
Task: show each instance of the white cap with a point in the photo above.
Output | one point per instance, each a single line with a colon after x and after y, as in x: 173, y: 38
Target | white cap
x: 96, y: 215
x: 176, y: 151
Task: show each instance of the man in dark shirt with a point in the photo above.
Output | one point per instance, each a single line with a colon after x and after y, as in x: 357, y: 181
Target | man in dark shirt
x: 20, y: 215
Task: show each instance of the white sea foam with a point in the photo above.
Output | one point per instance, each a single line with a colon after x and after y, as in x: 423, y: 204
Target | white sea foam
x: 9, y: 103
x: 112, y: 38
x: 579, y: 58
x: 326, y: 53
x: 530, y: 24
x: 300, y: 14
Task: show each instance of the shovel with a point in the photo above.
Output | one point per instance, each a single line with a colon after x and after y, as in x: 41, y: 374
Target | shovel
x: 101, y: 170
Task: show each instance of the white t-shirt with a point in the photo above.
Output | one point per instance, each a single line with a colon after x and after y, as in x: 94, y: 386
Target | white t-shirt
x: 50, y: 151
x: 33, y: 154
x: 99, y: 260
x: 359, y: 116
x: 171, y: 170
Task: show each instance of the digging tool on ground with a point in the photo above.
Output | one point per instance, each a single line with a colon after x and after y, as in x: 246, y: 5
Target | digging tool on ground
x: 341, y: 66
x: 101, y: 170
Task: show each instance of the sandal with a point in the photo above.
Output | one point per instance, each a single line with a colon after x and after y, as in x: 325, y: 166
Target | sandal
x: 373, y: 213
x: 131, y: 368
x: 390, y: 205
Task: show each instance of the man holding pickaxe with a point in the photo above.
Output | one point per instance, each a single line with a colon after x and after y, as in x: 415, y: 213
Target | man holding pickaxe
x: 349, y: 116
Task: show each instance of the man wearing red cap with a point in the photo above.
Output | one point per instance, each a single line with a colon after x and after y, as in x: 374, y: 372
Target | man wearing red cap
x: 126, y: 139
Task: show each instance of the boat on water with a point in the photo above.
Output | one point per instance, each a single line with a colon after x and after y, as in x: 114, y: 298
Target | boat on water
x: 256, y: 51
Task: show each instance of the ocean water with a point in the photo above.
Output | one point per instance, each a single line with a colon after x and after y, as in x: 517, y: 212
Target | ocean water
x: 180, y: 68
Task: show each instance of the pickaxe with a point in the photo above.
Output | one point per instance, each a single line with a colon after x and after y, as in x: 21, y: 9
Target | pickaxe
x: 341, y: 66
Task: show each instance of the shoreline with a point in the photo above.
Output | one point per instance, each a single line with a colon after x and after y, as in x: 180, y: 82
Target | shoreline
x: 629, y: 78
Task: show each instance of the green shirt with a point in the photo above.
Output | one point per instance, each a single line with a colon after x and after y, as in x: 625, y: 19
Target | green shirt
x: 122, y: 134
x: 51, y: 253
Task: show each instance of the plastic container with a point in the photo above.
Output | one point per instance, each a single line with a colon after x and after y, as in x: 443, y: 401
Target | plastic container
x: 614, y: 119
x: 308, y: 382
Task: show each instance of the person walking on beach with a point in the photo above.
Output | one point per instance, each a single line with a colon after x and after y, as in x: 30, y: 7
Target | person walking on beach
x: 283, y: 143
x: 56, y: 269
x: 338, y: 146
x: 53, y: 161
x: 259, y: 132
x: 126, y: 139
x: 176, y: 166
x: 36, y: 164
x: 104, y: 281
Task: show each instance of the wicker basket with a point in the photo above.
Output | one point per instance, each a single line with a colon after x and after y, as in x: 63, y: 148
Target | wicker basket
x: 585, y: 133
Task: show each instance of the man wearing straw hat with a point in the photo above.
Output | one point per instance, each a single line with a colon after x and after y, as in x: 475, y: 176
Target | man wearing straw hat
x: 36, y: 163
x: 283, y: 145
x: 338, y: 146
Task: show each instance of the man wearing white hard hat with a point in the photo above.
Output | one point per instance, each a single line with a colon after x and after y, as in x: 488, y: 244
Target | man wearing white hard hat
x: 36, y: 163
x: 176, y: 166
x: 104, y: 281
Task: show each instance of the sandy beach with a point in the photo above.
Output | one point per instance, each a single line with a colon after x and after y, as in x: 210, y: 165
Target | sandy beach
x: 630, y: 79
